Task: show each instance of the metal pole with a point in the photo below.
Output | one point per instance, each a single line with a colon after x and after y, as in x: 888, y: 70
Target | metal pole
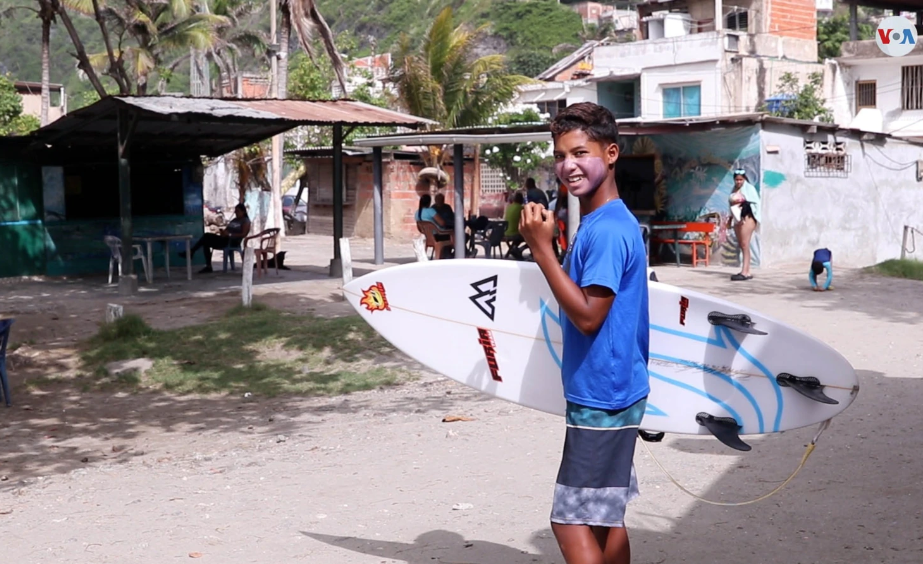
x: 573, y: 217
x: 377, y: 204
x: 128, y: 281
x: 336, y: 265
x: 276, y: 208
x: 458, y: 163
x: 904, y: 242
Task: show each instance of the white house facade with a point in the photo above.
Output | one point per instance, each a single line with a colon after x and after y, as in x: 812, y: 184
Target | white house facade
x: 875, y: 92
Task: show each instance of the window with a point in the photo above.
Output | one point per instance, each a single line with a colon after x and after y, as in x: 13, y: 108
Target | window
x: 682, y: 101
x: 912, y: 88
x: 865, y: 94
x: 737, y: 21
x: 551, y: 108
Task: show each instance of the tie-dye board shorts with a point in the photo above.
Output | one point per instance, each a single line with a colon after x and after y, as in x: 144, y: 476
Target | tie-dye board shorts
x: 597, y: 475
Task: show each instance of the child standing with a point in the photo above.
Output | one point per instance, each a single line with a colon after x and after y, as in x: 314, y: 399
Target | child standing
x: 823, y: 260
x: 602, y: 292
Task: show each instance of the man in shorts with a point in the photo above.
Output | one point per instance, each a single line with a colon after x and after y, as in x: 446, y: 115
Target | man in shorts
x: 602, y: 292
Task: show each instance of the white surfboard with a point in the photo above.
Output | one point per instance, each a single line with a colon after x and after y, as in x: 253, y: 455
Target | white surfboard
x: 494, y: 325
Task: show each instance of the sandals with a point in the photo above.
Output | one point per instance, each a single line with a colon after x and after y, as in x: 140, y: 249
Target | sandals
x: 739, y: 277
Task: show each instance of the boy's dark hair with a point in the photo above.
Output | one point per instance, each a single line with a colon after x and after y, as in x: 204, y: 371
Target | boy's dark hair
x: 817, y: 268
x: 517, y: 198
x: 530, y: 183
x: 596, y: 121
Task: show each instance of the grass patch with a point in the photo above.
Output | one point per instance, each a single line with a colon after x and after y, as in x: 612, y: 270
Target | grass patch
x: 907, y: 268
x: 259, y: 350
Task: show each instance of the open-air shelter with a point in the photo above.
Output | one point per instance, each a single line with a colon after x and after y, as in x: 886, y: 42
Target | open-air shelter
x: 169, y: 128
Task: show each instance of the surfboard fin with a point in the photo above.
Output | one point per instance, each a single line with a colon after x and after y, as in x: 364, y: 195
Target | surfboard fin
x: 725, y: 429
x: 654, y: 277
x: 740, y: 322
x: 649, y: 437
x: 808, y: 386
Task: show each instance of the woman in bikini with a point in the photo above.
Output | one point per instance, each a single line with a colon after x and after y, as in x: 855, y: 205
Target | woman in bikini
x: 744, y: 218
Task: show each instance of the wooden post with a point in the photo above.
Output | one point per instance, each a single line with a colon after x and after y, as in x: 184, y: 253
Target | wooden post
x: 336, y: 264
x: 377, y: 205
x: 128, y: 280
x: 474, y: 205
x: 458, y: 162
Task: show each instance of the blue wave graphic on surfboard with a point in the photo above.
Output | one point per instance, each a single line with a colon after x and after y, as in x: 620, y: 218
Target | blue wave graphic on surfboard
x: 723, y: 339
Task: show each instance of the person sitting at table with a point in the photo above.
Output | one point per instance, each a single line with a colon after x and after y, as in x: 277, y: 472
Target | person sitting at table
x: 444, y: 211
x: 229, y: 237
x: 512, y: 236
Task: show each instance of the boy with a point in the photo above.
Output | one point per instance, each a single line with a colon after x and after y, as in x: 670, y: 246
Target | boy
x: 602, y: 292
x: 823, y: 260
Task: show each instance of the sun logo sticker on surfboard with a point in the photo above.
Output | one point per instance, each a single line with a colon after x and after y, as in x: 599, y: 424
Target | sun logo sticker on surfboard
x: 375, y: 299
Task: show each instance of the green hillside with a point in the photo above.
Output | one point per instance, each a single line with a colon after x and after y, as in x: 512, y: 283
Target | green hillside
x: 526, y: 31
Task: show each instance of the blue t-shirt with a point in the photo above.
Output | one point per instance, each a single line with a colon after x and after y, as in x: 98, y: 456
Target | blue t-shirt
x: 823, y: 255
x: 426, y: 215
x: 608, y: 370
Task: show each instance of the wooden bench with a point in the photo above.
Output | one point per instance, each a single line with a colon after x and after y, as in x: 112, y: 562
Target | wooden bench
x: 704, y: 229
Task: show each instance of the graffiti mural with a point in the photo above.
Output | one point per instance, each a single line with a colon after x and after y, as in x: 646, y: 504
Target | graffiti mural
x: 695, y: 178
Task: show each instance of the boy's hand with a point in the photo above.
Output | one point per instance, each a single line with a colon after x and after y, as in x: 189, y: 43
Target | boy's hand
x: 536, y: 225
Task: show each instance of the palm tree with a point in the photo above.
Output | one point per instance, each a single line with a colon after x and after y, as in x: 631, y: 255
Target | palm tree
x: 46, y: 13
x: 232, y: 38
x: 303, y: 17
x: 443, y: 81
x: 159, y: 30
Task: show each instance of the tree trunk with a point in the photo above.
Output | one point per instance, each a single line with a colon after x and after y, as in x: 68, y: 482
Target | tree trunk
x: 83, y: 60
x: 285, y: 33
x: 46, y: 72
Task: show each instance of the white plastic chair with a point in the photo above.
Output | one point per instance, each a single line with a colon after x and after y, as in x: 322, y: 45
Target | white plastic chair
x: 115, y: 256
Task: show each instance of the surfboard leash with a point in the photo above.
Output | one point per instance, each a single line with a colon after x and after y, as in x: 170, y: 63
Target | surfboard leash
x: 804, y: 459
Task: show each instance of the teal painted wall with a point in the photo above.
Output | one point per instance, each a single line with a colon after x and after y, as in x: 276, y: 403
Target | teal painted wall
x: 22, y: 237
x: 695, y: 177
x: 30, y: 245
x: 77, y: 247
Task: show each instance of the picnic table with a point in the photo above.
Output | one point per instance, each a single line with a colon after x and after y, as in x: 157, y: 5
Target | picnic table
x: 675, y: 227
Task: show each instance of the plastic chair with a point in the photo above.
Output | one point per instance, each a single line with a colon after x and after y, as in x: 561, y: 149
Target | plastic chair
x: 229, y: 255
x: 5, y: 325
x: 266, y: 245
x: 493, y: 240
x: 430, y: 230
x: 115, y: 255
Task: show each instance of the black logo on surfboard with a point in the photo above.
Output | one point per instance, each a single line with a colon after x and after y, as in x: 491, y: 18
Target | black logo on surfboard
x: 486, y: 295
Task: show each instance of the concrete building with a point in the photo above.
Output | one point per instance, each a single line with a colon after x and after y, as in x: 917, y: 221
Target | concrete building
x: 372, y: 72
x: 31, y: 93
x: 874, y: 92
x: 694, y: 58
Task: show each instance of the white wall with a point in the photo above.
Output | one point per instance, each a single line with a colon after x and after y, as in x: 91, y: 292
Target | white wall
x: 886, y: 71
x: 860, y: 218
x: 654, y: 80
x: 639, y: 55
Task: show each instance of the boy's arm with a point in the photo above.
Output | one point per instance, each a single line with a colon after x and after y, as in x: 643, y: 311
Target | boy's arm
x: 588, y: 307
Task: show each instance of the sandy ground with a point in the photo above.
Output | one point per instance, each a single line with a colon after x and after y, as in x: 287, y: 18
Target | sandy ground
x: 377, y: 477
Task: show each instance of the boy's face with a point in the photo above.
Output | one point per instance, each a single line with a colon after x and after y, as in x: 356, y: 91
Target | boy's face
x: 582, y: 164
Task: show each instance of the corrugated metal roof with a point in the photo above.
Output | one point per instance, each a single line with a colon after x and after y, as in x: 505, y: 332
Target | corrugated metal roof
x: 190, y: 127
x: 631, y: 126
x: 302, y: 112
